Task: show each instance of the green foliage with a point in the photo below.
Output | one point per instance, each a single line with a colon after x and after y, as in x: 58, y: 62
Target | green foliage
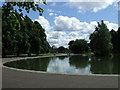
x: 9, y: 7
x: 118, y: 40
x: 22, y: 35
x: 78, y: 46
x: 70, y: 44
x: 101, y: 40
x: 114, y: 40
x: 61, y: 49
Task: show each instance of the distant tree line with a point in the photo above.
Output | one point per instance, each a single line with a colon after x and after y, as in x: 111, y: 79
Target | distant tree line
x: 60, y: 49
x: 102, y: 42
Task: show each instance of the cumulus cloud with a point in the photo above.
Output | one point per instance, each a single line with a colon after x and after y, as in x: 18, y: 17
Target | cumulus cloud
x: 50, y: 10
x: 93, y: 5
x: 44, y: 22
x: 111, y: 25
x: 66, y: 29
x: 52, y: 14
x: 64, y: 23
x: 85, y: 5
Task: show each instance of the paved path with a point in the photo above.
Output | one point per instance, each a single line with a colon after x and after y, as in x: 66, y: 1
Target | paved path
x: 24, y: 79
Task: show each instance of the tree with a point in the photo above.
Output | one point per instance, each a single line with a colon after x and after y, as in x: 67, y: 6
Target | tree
x: 8, y: 34
x: 101, y: 40
x: 118, y: 37
x: 53, y: 49
x: 114, y: 40
x: 78, y: 46
x: 9, y: 7
x: 23, y: 35
x: 61, y: 49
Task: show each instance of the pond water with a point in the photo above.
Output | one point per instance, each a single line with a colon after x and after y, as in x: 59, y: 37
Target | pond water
x: 70, y: 64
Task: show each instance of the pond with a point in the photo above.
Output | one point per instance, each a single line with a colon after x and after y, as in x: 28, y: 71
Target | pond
x: 70, y: 64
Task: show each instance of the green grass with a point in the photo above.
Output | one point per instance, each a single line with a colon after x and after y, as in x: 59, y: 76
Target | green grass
x: 32, y: 55
x: 88, y: 53
x: 46, y: 54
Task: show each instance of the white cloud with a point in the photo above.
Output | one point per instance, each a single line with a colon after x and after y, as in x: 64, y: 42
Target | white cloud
x: 111, y: 25
x: 95, y: 6
x: 44, y: 22
x: 52, y: 14
x: 85, y: 5
x: 80, y: 0
x: 50, y: 10
x: 64, y: 23
x: 66, y: 29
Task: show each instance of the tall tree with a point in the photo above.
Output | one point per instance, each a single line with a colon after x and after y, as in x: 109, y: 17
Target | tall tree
x: 61, y: 49
x: 118, y: 37
x: 8, y: 34
x: 78, y: 46
x: 101, y: 40
x: 23, y: 35
x: 114, y: 40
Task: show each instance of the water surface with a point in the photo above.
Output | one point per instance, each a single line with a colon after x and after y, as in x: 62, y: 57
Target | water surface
x: 70, y: 64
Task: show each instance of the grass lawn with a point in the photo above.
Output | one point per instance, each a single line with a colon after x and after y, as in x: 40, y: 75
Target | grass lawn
x: 32, y: 55
x: 48, y: 54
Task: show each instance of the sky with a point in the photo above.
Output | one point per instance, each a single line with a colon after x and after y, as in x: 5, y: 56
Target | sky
x: 66, y: 21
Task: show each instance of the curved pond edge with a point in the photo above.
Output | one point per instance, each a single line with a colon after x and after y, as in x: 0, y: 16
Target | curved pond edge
x: 33, y: 71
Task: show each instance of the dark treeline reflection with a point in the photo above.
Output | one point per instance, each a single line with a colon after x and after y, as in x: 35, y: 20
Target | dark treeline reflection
x: 105, y: 65
x: 62, y: 57
x: 72, y: 64
x: 116, y: 63
x: 101, y: 65
x: 33, y: 64
x: 79, y: 61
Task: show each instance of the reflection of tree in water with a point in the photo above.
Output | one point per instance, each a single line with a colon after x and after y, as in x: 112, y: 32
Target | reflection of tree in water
x: 101, y: 65
x: 116, y: 61
x: 62, y: 57
x: 79, y: 61
x: 33, y: 64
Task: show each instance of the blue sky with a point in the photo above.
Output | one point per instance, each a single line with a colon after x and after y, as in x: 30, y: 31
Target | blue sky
x: 108, y: 14
x: 66, y: 21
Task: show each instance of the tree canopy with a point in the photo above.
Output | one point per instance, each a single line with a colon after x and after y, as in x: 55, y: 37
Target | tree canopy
x: 114, y: 40
x: 78, y: 46
x: 20, y: 34
x: 9, y: 6
x: 101, y: 40
x: 61, y: 49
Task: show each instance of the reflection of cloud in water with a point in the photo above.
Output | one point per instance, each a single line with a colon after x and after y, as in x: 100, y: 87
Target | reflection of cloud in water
x: 63, y: 66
